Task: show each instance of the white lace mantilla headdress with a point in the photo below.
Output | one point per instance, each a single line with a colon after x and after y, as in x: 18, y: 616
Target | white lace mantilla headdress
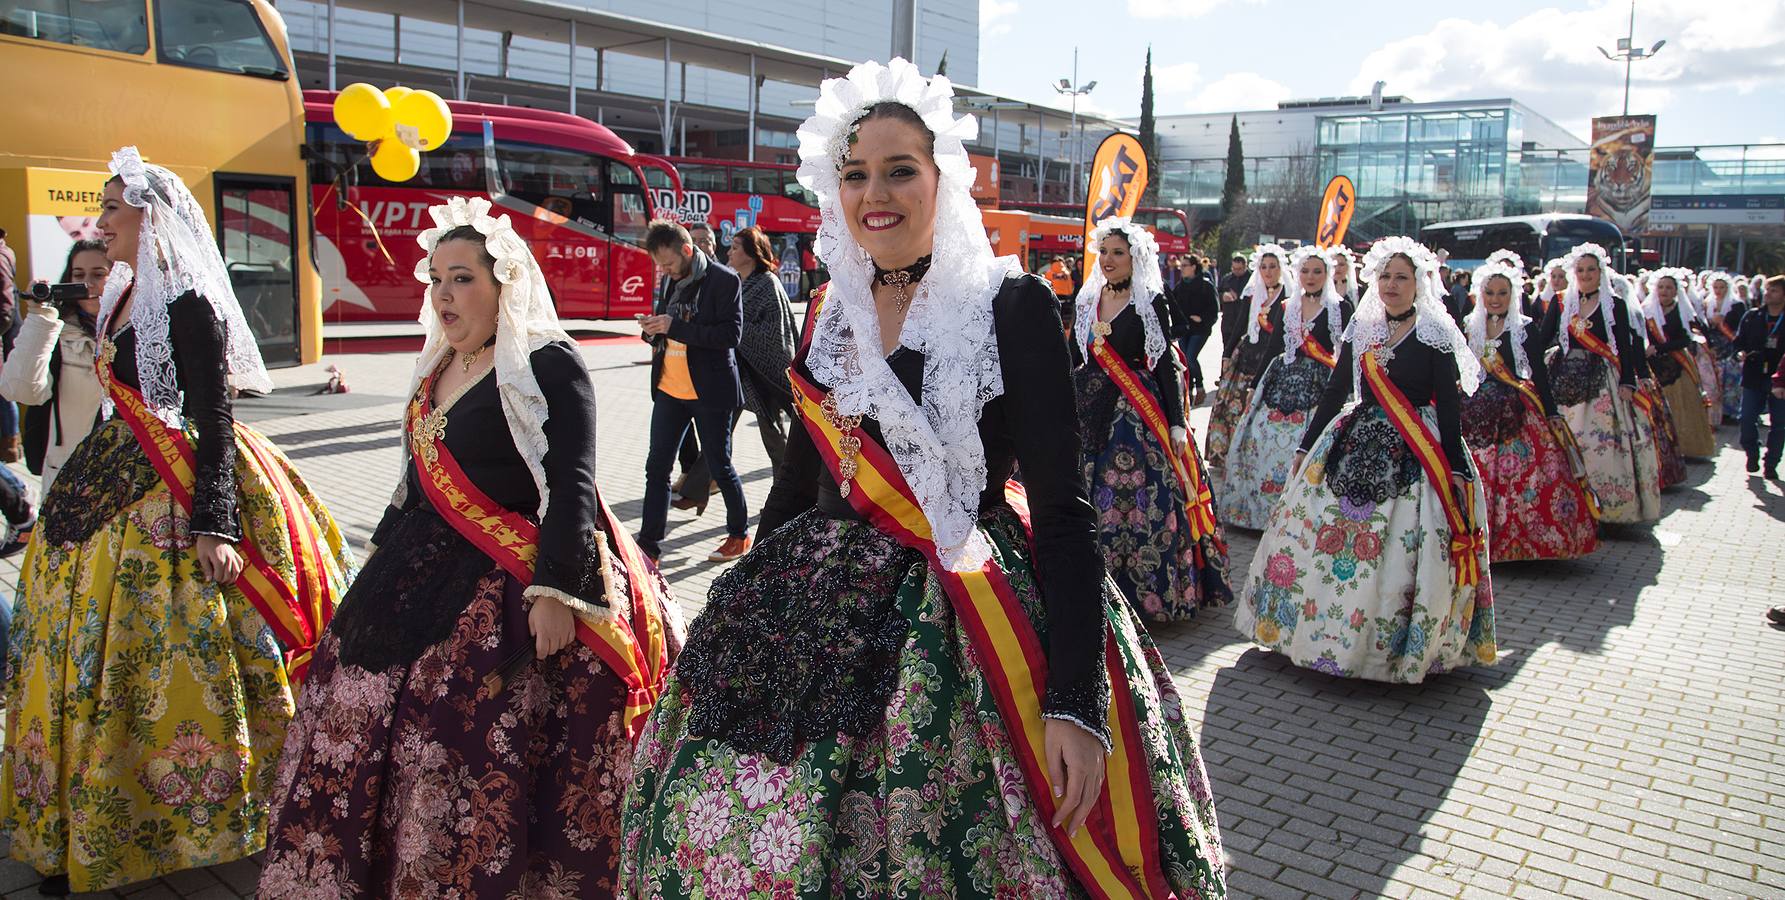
x: 1475, y: 325
x: 1257, y: 293
x: 1571, y: 300
x: 176, y: 252
x: 1504, y: 258
x: 937, y: 445
x: 1683, y: 297
x: 525, y: 322
x: 1333, y: 255
x: 1294, y: 329
x: 1432, y: 327
x: 1146, y: 283
x: 1545, y: 292
x: 1717, y: 307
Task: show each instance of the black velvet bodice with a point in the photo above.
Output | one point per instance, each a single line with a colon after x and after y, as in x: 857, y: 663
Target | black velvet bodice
x: 1426, y: 376
x: 1034, y: 424
x: 202, y: 376
x: 1128, y: 337
x: 1251, y: 358
x: 1631, y: 364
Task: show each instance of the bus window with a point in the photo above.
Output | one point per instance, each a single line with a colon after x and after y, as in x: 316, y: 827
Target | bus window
x: 120, y: 25
x: 1567, y: 234
x: 215, y: 34
x: 559, y: 180
x: 703, y: 178
x: 456, y: 166
x: 793, y: 189
x: 1169, y: 224
x: 631, y: 214
x: 255, y: 229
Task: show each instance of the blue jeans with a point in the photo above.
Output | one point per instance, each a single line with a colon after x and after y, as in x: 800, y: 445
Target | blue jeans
x: 1754, y: 402
x: 669, y: 422
x: 1192, y: 344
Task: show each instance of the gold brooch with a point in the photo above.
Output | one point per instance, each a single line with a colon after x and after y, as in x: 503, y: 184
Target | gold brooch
x: 848, y: 446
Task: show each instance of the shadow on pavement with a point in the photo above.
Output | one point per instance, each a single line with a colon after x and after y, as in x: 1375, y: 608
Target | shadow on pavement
x: 1320, y: 780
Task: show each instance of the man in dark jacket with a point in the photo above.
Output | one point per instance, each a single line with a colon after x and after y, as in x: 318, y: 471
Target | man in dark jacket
x: 694, y: 379
x: 1194, y: 310
x: 1761, y: 341
x: 1233, y: 306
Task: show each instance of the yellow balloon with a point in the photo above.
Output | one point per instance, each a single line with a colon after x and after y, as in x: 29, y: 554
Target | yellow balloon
x: 363, y: 112
x: 428, y: 117
x: 395, y: 162
x: 397, y: 92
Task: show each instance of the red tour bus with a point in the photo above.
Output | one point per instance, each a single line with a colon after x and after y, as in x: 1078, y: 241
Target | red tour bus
x: 1170, y: 227
x: 731, y: 195
x: 574, y: 191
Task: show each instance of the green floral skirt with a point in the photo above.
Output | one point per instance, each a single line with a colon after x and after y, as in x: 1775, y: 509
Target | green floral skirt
x: 930, y: 801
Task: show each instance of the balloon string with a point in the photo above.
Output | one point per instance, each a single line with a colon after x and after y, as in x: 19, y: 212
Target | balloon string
x: 373, y: 226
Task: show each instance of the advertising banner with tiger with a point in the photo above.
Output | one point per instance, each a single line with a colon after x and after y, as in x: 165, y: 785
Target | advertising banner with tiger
x: 1619, y: 168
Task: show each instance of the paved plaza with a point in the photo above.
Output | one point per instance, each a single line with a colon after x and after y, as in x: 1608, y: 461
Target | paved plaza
x: 1627, y: 745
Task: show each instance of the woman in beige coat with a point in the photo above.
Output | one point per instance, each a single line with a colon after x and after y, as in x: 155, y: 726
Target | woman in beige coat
x: 51, y: 367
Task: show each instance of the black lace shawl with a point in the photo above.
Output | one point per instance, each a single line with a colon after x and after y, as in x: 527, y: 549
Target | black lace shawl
x: 1428, y: 377
x: 1033, y: 424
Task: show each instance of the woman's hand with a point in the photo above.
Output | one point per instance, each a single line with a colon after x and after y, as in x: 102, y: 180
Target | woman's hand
x: 1295, y: 467
x: 1075, y: 766
x: 1628, y: 392
x: 218, y: 560
x: 552, y: 625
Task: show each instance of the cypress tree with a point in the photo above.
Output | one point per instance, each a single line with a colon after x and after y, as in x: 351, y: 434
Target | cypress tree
x: 1149, y: 133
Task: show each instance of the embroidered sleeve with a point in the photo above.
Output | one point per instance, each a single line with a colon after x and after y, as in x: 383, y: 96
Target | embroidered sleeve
x: 199, y: 341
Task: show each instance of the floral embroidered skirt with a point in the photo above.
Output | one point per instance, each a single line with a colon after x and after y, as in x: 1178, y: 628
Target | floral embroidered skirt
x: 147, y: 705
x: 1265, y: 441
x: 1616, y: 442
x: 1672, y: 465
x: 1536, y: 508
x: 416, y: 778
x: 884, y: 768
x: 1225, y: 412
x: 1691, y: 420
x: 1142, y: 523
x: 1362, y: 587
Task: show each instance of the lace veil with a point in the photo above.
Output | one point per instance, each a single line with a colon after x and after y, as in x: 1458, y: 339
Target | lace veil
x: 525, y: 322
x: 1712, y: 304
x: 1433, y: 326
x: 1571, y: 300
x: 1294, y: 329
x: 1682, y: 280
x: 1147, y: 284
x: 1475, y: 326
x: 176, y: 252
x: 1333, y: 255
x: 1257, y: 294
x: 937, y: 445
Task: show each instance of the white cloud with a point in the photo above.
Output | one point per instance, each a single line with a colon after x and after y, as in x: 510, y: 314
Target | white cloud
x: 995, y: 16
x: 1177, y: 78
x: 1550, y: 60
x: 1238, y: 90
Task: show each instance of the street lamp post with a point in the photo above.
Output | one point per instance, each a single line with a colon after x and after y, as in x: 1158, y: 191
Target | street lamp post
x: 1075, y: 89
x: 1630, y: 53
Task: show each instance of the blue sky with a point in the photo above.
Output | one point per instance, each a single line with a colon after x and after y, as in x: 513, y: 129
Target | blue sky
x: 1720, y: 79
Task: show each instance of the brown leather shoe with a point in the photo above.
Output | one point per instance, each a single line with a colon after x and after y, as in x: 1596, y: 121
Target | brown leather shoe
x: 11, y: 450
x: 699, y: 506
x: 731, y: 549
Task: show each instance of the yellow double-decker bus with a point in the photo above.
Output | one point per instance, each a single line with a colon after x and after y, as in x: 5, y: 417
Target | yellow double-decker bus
x: 205, y: 88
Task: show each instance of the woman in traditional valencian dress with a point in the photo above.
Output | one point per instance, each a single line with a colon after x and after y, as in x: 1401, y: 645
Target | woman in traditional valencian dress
x: 1724, y: 313
x: 175, y: 583
x: 1265, y: 442
x: 916, y: 682
x: 1651, y: 404
x: 1165, y: 552
x: 1263, y: 343
x: 1374, y: 565
x: 1593, y: 367
x: 1670, y: 315
x: 1344, y: 263
x: 1537, y: 495
x: 466, y: 730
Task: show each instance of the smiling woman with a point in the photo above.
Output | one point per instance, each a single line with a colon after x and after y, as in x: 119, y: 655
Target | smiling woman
x: 844, y: 660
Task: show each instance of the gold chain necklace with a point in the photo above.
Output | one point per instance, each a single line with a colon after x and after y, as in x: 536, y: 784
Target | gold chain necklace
x: 848, y: 446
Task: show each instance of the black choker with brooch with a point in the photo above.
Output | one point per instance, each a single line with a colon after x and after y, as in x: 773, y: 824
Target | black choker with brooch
x: 901, y: 279
x: 1404, y: 316
x: 1123, y: 285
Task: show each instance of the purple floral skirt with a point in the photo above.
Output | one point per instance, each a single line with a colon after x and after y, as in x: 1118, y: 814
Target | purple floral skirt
x: 417, y: 781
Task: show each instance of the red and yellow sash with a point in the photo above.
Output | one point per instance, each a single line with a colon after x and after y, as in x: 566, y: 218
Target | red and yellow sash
x: 1679, y: 356
x: 632, y: 644
x: 1317, y: 351
x: 1466, y: 540
x: 1199, y: 500
x: 1563, y: 434
x: 297, y: 609
x: 1116, y: 853
x: 1582, y: 332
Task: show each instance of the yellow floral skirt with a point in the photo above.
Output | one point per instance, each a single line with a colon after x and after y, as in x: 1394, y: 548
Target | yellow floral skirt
x: 147, y: 706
